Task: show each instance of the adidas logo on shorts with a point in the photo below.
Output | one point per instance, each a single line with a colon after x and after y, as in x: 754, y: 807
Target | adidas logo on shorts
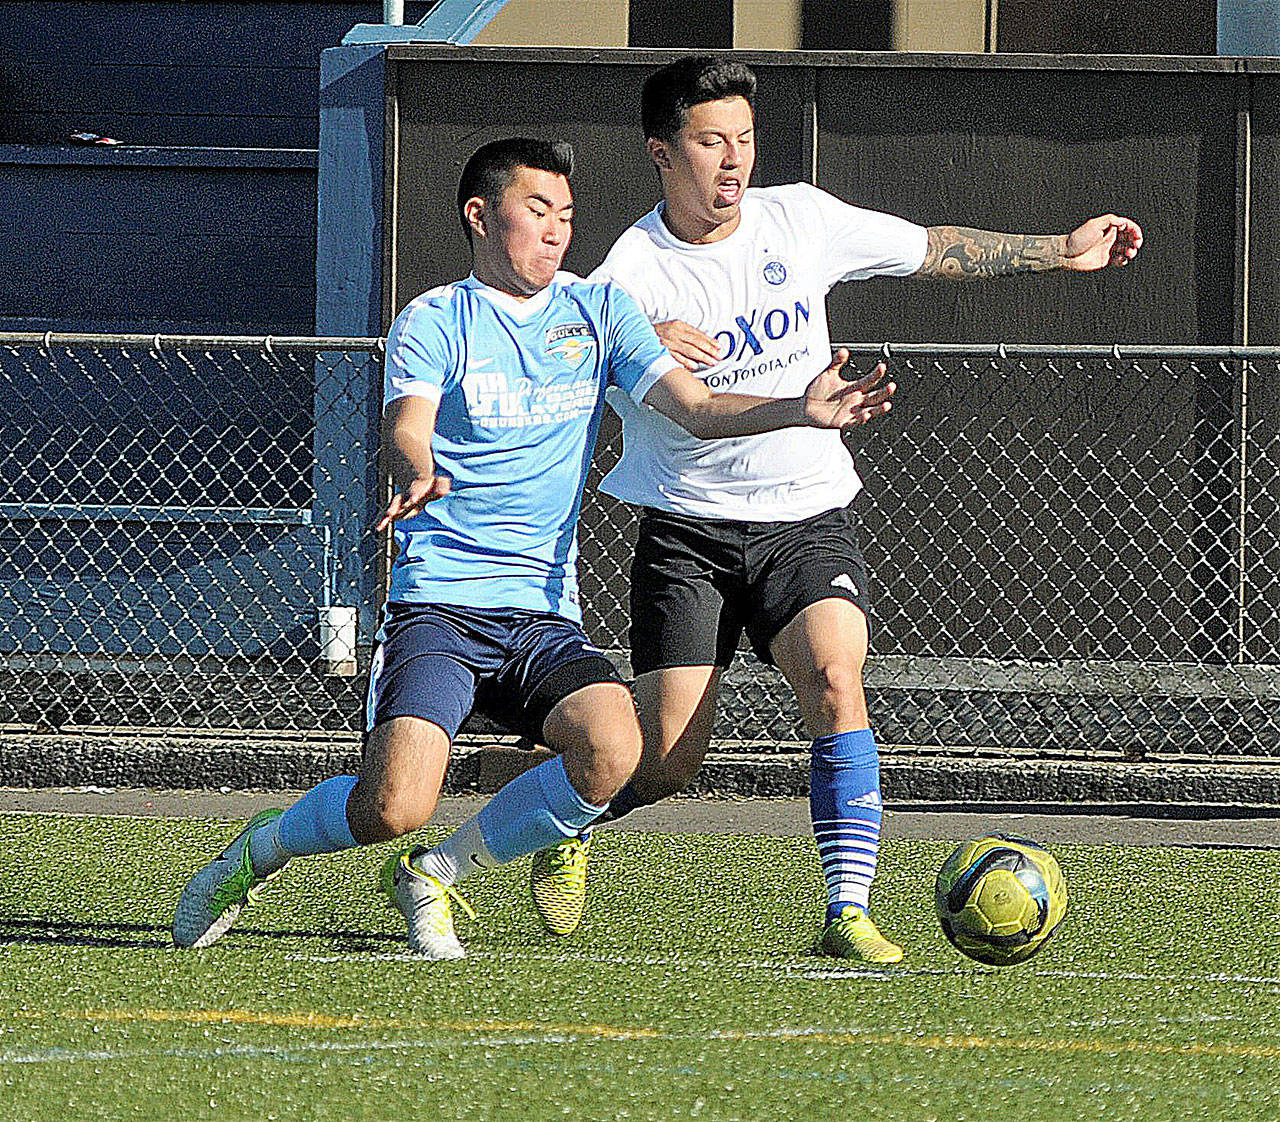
x: 844, y: 580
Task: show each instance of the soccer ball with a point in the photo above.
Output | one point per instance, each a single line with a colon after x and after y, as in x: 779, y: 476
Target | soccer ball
x: 1000, y: 898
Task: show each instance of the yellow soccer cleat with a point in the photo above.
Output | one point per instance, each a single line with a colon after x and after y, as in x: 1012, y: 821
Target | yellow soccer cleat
x: 853, y: 935
x: 558, y: 881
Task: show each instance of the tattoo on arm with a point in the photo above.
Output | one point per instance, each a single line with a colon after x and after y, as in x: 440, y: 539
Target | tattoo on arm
x: 958, y: 253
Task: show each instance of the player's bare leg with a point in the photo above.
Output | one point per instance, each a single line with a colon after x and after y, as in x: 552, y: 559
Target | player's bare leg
x: 822, y: 652
x: 595, y: 731
x: 401, y: 775
x: 400, y: 779
x: 677, y: 709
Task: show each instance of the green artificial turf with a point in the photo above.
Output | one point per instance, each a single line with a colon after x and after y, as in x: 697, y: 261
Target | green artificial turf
x: 692, y: 990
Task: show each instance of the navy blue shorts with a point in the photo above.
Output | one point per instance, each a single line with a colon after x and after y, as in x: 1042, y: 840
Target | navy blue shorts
x: 439, y: 662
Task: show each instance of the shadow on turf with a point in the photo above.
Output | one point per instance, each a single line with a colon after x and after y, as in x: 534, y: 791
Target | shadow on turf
x: 66, y: 932
x: 71, y: 933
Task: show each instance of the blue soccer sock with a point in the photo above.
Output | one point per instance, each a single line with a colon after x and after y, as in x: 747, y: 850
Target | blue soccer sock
x: 844, y: 802
x: 536, y: 809
x: 316, y: 823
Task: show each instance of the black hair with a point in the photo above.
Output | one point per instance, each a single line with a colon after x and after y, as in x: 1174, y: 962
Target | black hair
x: 671, y: 92
x: 492, y: 168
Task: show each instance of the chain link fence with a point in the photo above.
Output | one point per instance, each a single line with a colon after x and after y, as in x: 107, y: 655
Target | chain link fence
x: 1074, y: 552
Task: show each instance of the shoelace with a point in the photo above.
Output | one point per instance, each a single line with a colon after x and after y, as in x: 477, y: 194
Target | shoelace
x: 460, y: 900
x: 567, y: 859
x: 450, y: 892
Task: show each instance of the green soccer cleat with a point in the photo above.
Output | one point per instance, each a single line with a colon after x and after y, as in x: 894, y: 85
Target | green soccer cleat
x: 558, y: 881
x: 214, y: 897
x: 853, y: 935
x: 424, y: 902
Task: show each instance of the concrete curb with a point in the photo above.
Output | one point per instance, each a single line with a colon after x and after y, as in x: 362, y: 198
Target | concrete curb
x: 255, y: 763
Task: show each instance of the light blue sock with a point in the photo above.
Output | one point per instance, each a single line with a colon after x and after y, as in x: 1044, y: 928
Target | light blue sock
x: 317, y: 822
x: 844, y: 802
x: 536, y: 809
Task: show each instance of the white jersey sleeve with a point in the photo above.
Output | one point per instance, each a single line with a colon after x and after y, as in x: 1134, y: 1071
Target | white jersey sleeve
x: 855, y: 244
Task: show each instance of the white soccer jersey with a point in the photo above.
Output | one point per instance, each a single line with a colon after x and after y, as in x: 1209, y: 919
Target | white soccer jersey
x: 761, y: 292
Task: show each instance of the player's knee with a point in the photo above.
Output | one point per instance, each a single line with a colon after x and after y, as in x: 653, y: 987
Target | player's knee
x: 385, y: 813
x: 833, y: 690
x: 599, y: 734
x: 838, y: 682
x: 611, y: 751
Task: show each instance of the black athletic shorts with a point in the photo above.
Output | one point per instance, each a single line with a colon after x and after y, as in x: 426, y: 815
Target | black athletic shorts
x: 698, y: 583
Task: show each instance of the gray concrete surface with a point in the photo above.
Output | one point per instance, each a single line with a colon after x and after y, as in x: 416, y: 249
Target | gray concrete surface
x: 270, y: 763
x: 1130, y: 825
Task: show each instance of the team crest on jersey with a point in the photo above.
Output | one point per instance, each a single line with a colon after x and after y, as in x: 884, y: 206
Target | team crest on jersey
x: 571, y: 343
x: 774, y: 271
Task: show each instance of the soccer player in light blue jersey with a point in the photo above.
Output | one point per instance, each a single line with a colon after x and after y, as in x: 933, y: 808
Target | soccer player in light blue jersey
x: 493, y: 393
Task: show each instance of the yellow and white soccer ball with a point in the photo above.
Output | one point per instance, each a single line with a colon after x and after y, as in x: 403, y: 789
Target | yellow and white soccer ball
x: 1000, y: 898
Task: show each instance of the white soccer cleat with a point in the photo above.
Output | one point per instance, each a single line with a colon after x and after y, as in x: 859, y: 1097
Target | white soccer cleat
x: 215, y: 896
x: 424, y: 903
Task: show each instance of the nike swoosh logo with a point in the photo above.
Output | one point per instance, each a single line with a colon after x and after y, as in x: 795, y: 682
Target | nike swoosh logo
x: 475, y: 860
x: 479, y: 363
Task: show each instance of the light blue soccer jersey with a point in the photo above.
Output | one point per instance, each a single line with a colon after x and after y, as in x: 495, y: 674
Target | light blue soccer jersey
x: 520, y: 387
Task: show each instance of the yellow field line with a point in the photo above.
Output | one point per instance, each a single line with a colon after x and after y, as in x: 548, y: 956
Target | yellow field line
x: 218, y: 1017
x: 956, y: 1043
x: 325, y: 1020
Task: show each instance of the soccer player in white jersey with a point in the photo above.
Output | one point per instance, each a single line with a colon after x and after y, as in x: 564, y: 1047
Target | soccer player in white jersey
x: 755, y: 533
x: 493, y: 392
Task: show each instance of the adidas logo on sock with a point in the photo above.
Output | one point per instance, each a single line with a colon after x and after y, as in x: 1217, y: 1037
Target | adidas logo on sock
x: 871, y: 800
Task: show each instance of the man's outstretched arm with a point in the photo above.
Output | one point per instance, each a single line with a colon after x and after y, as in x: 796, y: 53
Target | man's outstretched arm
x: 407, y: 428
x: 961, y: 253
x: 830, y: 401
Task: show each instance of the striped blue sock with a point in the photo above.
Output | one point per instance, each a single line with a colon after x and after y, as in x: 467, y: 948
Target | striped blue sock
x: 844, y: 803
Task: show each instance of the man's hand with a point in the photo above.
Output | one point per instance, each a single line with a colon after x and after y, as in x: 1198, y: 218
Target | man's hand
x: 688, y: 346
x: 1106, y: 240
x: 832, y: 402
x: 413, y: 497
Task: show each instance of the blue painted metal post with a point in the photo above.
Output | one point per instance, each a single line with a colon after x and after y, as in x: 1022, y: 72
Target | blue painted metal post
x: 450, y: 21
x: 1248, y: 27
x: 348, y: 392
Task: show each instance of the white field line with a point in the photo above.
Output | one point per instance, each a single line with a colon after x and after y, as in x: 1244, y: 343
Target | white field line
x: 456, y: 1035
x: 292, y: 1051
x: 787, y: 967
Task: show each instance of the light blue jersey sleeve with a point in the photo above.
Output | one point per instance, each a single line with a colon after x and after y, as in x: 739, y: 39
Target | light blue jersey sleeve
x: 422, y: 356
x: 636, y: 357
